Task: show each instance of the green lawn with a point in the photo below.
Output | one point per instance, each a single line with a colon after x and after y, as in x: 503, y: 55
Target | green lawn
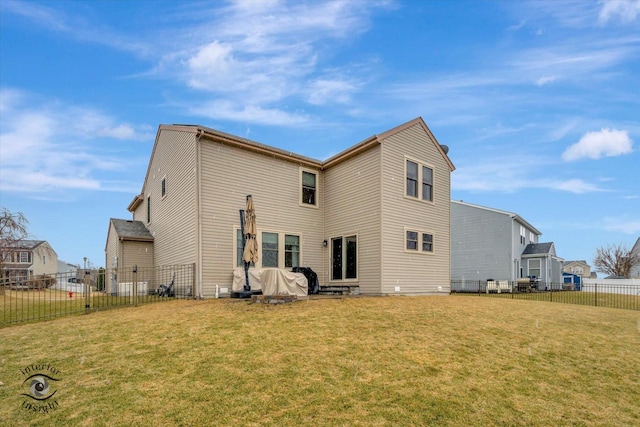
x: 445, y: 361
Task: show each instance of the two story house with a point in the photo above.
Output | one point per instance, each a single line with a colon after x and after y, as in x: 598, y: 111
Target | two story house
x: 578, y: 267
x: 492, y: 244
x: 27, y: 259
x: 375, y: 215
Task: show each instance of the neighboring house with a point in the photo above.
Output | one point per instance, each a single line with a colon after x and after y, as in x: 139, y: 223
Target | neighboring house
x: 67, y: 268
x: 543, y: 264
x: 374, y: 216
x: 579, y: 268
x: 635, y: 271
x: 27, y: 259
x: 488, y: 243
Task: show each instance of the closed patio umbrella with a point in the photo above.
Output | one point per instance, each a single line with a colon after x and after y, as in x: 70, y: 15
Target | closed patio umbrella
x: 249, y: 231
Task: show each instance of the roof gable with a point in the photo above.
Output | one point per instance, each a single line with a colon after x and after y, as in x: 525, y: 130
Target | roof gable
x: 379, y: 139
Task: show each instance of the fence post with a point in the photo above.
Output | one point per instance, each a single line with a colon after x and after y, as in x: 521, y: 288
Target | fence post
x: 193, y: 280
x: 87, y: 290
x: 596, y: 293
x: 135, y: 285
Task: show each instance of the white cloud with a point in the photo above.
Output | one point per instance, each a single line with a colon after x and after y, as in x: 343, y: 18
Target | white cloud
x: 576, y: 186
x: 323, y: 91
x: 250, y: 56
x: 508, y: 174
x: 625, y: 10
x: 594, y: 145
x: 50, y: 147
x: 624, y: 225
x: 228, y: 110
x: 545, y: 80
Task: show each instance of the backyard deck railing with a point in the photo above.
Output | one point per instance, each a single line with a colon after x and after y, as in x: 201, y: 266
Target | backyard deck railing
x: 55, y: 295
x: 603, y: 294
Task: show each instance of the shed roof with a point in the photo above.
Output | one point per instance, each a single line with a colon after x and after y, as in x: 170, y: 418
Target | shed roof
x: 538, y: 248
x: 131, y: 230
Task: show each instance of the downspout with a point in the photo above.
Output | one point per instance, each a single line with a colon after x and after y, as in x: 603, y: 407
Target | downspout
x: 199, y: 219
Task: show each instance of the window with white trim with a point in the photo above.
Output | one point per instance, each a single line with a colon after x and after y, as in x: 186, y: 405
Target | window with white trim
x: 534, y: 267
x: 269, y: 249
x: 291, y: 251
x: 277, y: 249
x: 523, y: 234
x: 418, y: 241
x: 308, y: 187
x: 419, y: 180
x: 25, y: 257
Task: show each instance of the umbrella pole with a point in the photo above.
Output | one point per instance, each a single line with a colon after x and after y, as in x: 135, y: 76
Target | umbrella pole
x: 247, y: 287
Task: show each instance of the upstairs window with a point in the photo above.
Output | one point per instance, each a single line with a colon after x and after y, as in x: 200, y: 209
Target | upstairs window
x: 148, y: 209
x: 309, y: 188
x: 163, y: 186
x: 412, y: 179
x: 427, y: 183
x: 25, y: 257
x: 419, y: 181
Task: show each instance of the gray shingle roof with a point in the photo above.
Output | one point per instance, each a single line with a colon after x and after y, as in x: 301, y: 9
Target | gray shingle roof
x: 22, y: 244
x: 537, y: 248
x: 131, y: 230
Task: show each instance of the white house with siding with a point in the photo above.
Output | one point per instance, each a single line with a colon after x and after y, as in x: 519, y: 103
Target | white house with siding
x: 635, y: 271
x: 493, y: 244
x: 376, y: 215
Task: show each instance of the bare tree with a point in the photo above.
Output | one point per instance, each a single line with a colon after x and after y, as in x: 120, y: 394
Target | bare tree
x: 13, y: 229
x: 616, y: 260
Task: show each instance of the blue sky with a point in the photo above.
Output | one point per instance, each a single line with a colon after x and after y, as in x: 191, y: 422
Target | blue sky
x: 538, y: 101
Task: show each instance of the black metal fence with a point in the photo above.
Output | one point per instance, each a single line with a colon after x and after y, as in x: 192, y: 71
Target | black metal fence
x: 55, y: 295
x: 623, y: 296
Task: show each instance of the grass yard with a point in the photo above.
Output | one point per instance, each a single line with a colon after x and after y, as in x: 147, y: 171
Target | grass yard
x: 32, y: 306
x: 600, y: 299
x: 445, y: 361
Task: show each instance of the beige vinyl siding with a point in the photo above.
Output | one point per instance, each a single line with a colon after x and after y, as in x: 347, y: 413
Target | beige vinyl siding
x: 50, y: 264
x: 173, y: 217
x: 352, y: 206
x: 137, y: 253
x: 414, y: 273
x: 111, y: 253
x: 229, y: 174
